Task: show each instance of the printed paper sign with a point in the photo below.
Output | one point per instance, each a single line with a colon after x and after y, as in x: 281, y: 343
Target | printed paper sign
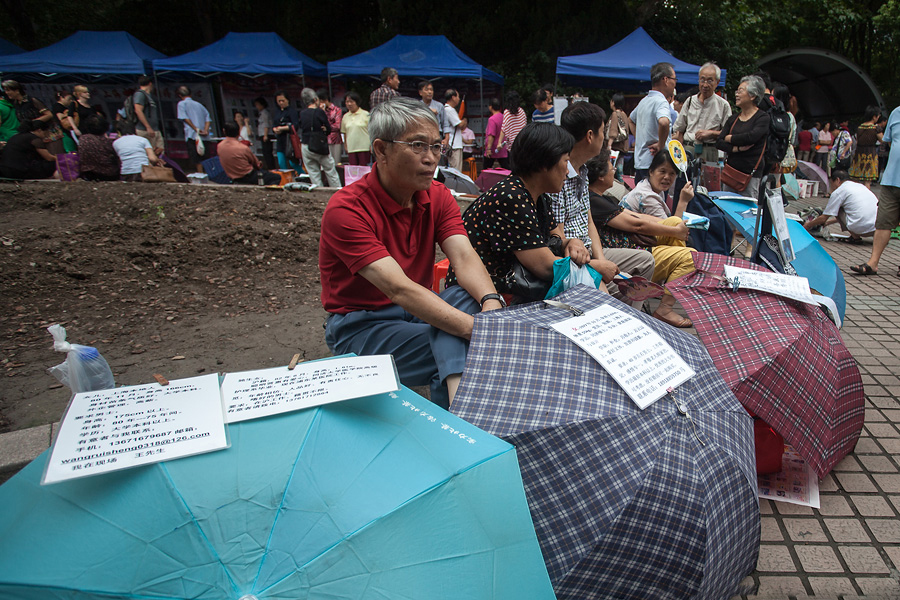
x: 796, y: 483
x: 254, y: 394
x: 125, y: 427
x: 787, y: 286
x: 638, y: 358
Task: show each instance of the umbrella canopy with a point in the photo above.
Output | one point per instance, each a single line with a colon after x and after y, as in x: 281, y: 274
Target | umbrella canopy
x: 815, y: 173
x: 626, y: 503
x: 458, y: 181
x: 783, y: 359
x: 812, y: 261
x: 381, y: 497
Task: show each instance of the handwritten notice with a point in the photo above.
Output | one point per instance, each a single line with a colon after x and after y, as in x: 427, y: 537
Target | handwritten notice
x: 255, y: 394
x: 638, y: 358
x: 787, y: 286
x: 796, y: 483
x: 125, y: 427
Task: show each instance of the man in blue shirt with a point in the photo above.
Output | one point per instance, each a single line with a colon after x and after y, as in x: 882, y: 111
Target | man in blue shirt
x: 196, y: 123
x: 888, y: 216
x: 652, y: 118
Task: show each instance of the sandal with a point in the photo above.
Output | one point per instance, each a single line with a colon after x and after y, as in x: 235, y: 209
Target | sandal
x: 851, y: 240
x: 863, y: 269
x: 674, y: 319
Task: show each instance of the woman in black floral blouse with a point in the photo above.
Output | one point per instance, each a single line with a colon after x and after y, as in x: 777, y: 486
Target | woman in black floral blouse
x: 513, y: 219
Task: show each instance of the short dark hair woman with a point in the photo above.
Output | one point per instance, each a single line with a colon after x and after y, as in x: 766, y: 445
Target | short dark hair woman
x: 98, y: 160
x: 25, y: 155
x: 513, y: 220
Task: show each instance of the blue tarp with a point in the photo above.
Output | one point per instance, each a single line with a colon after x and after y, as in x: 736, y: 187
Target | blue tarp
x: 248, y: 53
x: 625, y: 65
x: 91, y: 52
x: 414, y: 56
x: 9, y: 48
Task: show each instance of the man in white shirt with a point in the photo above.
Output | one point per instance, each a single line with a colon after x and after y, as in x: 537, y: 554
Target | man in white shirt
x: 452, y: 131
x: 703, y: 115
x: 196, y: 124
x: 851, y: 204
x: 652, y: 118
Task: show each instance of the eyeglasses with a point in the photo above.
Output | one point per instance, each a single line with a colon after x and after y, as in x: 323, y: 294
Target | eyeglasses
x: 708, y: 80
x: 419, y: 147
x: 675, y: 79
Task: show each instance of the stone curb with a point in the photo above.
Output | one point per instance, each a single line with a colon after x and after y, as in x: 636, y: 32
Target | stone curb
x: 18, y: 448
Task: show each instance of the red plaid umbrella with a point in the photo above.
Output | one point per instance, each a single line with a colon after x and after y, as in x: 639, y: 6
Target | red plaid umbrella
x: 783, y: 359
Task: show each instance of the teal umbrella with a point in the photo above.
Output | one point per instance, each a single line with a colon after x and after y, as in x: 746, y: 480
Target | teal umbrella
x: 381, y: 497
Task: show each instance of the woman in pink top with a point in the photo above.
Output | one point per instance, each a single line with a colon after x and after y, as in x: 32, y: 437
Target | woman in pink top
x: 492, y: 148
x: 514, y: 120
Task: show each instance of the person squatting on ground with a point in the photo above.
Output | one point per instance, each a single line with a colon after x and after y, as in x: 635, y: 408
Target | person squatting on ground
x: 239, y: 162
x: 376, y: 257
x: 852, y: 205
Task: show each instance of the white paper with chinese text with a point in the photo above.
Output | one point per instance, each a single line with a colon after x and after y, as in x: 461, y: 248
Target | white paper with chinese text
x: 124, y: 427
x: 637, y: 357
x: 787, y: 286
x: 776, y: 209
x: 796, y: 483
x: 255, y: 394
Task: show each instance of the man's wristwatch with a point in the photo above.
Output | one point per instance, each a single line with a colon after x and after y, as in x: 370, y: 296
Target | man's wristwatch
x: 496, y: 297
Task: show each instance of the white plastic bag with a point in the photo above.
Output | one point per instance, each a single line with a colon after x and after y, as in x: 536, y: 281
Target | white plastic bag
x: 201, y: 147
x: 578, y: 275
x: 84, y: 370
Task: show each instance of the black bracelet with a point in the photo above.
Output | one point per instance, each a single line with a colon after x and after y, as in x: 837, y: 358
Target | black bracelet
x: 493, y: 296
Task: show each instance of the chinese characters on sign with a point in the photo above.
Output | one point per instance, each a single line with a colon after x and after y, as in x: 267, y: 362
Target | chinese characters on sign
x: 796, y: 483
x: 254, y: 394
x: 125, y: 427
x: 640, y: 361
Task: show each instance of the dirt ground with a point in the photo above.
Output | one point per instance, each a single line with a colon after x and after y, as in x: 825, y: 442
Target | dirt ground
x: 161, y: 278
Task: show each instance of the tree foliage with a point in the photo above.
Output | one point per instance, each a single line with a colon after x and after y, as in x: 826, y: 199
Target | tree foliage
x: 520, y: 39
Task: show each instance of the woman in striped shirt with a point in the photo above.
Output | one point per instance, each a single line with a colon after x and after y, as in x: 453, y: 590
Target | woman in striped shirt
x: 514, y: 120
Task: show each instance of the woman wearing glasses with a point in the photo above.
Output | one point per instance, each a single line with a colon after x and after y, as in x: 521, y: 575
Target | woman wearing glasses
x: 513, y: 220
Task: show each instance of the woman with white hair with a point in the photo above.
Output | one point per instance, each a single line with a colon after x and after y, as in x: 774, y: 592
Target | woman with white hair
x: 314, y: 130
x: 744, y: 139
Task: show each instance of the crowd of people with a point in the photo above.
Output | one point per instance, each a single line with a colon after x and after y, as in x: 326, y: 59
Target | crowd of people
x: 561, y: 199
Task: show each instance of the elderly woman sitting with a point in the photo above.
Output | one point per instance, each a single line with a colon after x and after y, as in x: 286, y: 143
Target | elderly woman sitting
x: 647, y: 196
x: 513, y: 220
x: 744, y: 136
x: 620, y: 227
x: 25, y: 155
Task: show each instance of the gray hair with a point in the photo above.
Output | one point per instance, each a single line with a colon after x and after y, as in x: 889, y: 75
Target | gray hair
x: 308, y: 96
x: 390, y: 119
x: 661, y: 70
x: 755, y: 86
x: 712, y: 65
x: 183, y: 91
x: 387, y: 73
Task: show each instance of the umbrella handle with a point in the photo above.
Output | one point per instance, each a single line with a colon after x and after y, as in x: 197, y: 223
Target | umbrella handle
x: 682, y: 408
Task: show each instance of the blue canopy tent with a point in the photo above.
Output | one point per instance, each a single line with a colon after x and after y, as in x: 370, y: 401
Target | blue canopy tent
x: 95, y: 53
x: 9, y: 48
x: 624, y: 65
x: 248, y: 54
x: 414, y: 56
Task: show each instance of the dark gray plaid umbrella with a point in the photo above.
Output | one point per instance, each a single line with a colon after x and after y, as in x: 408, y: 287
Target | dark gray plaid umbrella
x: 626, y: 503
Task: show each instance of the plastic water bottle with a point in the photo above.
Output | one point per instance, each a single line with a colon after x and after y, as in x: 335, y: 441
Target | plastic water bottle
x: 259, y: 178
x: 95, y: 374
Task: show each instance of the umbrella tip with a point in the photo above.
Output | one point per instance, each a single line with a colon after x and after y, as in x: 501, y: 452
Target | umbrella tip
x: 248, y: 597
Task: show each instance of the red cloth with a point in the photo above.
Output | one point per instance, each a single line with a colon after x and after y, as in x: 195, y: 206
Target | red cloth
x: 362, y: 224
x: 237, y: 159
x: 334, y: 115
x: 804, y: 140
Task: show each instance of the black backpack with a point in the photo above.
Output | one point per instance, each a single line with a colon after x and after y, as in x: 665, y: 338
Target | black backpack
x: 779, y: 130
x: 129, y: 123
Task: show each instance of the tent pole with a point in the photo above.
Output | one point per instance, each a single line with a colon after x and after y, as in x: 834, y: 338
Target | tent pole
x: 330, y: 93
x: 162, y: 120
x: 483, y: 127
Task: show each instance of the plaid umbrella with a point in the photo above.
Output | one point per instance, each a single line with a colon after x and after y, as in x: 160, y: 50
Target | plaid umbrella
x: 783, y: 359
x: 626, y: 503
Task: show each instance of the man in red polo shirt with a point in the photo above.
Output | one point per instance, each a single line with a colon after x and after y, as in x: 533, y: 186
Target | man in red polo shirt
x: 238, y: 160
x: 376, y: 257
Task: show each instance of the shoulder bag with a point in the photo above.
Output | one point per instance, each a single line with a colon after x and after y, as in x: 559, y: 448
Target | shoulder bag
x: 151, y: 174
x: 735, y: 179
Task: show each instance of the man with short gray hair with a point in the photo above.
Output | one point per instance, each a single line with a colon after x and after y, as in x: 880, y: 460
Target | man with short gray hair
x: 703, y: 115
x: 196, y: 124
x: 376, y: 257
x: 390, y: 83
x: 652, y: 118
